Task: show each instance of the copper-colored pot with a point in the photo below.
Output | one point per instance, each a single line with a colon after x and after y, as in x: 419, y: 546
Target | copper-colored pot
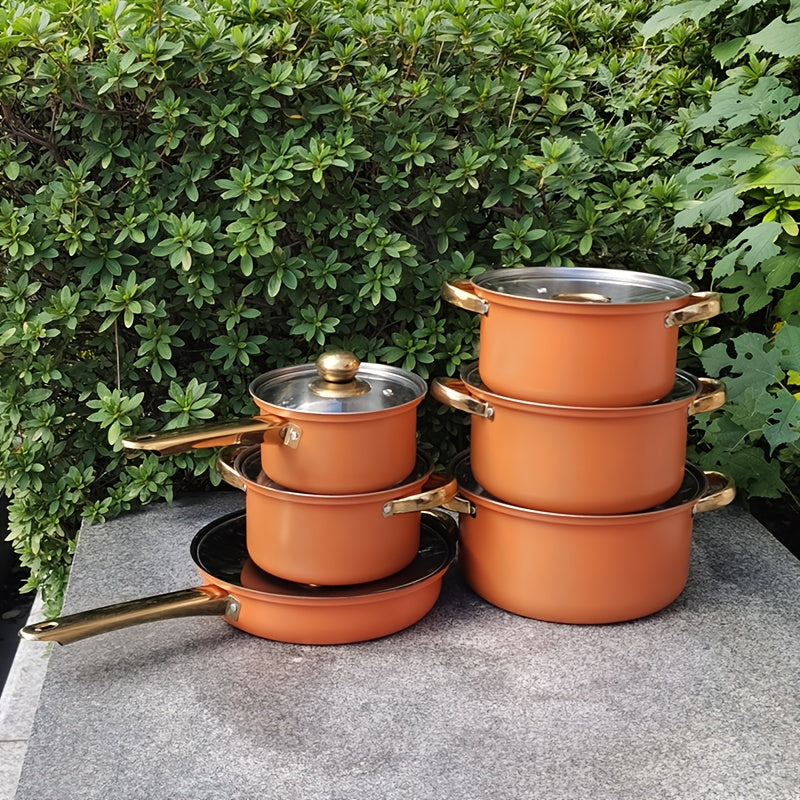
x: 578, y: 460
x: 579, y: 337
x: 580, y: 569
x: 337, y: 426
x: 262, y: 605
x: 332, y: 539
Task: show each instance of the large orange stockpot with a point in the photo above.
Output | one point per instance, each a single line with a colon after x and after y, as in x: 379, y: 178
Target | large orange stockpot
x: 568, y: 335
x: 263, y: 605
x: 578, y: 460
x: 337, y: 426
x: 332, y: 539
x: 580, y: 569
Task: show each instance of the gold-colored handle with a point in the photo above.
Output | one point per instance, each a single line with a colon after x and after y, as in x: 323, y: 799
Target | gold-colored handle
x: 439, y: 491
x: 581, y: 297
x: 462, y: 295
x: 706, y: 305
x: 711, y: 397
x: 461, y: 506
x: 453, y: 393
x: 224, y: 466
x: 249, y: 430
x: 206, y: 600
x: 337, y: 376
x: 719, y: 493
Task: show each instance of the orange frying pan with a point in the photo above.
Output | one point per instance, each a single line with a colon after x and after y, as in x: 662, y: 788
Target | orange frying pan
x: 234, y: 588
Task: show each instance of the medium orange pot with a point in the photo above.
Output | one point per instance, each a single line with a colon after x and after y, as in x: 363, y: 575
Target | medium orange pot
x: 580, y: 569
x: 263, y: 605
x: 579, y: 337
x: 578, y: 460
x: 337, y: 426
x: 332, y: 539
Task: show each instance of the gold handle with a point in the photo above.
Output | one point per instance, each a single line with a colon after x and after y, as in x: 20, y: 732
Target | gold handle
x: 581, y: 297
x: 711, y: 397
x: 461, y: 294
x: 206, y: 600
x: 337, y: 376
x: 453, y: 393
x: 440, y: 492
x: 226, y: 470
x: 249, y: 430
x: 719, y: 493
x: 461, y: 506
x: 707, y: 305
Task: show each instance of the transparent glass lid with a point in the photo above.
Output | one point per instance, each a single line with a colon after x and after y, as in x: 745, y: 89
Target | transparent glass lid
x: 579, y: 284
x: 337, y: 383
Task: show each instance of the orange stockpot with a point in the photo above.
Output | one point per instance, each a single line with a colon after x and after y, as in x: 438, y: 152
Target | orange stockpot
x: 578, y: 460
x: 332, y: 539
x: 263, y: 605
x: 337, y: 426
x: 580, y: 569
x: 569, y: 335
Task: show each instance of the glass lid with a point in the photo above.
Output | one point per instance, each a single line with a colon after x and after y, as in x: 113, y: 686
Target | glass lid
x: 581, y: 284
x: 220, y: 550
x: 338, y: 383
x: 684, y: 388
x: 694, y: 484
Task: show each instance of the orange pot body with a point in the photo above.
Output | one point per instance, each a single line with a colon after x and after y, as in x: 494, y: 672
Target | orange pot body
x: 579, y: 570
x: 577, y: 354
x: 330, y: 539
x: 580, y: 460
x: 343, y: 453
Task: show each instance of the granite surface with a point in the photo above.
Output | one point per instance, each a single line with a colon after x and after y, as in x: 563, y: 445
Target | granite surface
x: 701, y: 700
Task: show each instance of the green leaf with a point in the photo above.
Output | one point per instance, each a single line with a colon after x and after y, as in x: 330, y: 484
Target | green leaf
x: 755, y: 364
x: 779, y: 37
x: 671, y: 15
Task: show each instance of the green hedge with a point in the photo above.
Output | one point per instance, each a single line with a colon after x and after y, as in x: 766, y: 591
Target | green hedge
x: 195, y: 193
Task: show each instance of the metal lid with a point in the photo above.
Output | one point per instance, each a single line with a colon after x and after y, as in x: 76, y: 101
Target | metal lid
x: 220, y: 550
x: 684, y: 388
x: 338, y: 383
x: 248, y: 465
x: 582, y: 284
x: 693, y: 486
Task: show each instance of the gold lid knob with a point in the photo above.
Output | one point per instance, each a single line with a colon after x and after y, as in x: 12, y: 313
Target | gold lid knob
x: 337, y: 375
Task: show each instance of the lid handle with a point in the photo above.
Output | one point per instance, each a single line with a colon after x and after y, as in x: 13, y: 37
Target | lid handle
x: 337, y: 375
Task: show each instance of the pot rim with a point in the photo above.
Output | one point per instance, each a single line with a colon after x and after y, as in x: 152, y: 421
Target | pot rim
x: 437, y: 551
x: 615, y: 284
x: 694, y: 485
x: 247, y: 464
x: 678, y: 396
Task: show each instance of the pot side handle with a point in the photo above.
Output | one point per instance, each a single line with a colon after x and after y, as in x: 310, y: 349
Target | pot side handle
x: 207, y: 600
x: 719, y: 493
x: 224, y: 466
x: 461, y: 294
x: 712, y: 396
x: 706, y: 305
x: 249, y: 430
x: 437, y: 491
x: 453, y: 393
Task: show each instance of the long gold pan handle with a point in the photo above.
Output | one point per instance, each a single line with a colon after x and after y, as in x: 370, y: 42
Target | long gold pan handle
x: 707, y: 306
x: 462, y: 295
x: 720, y: 492
x: 437, y: 491
x: 200, y: 601
x: 249, y: 430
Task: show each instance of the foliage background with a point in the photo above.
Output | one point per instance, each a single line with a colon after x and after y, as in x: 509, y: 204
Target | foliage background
x: 194, y: 193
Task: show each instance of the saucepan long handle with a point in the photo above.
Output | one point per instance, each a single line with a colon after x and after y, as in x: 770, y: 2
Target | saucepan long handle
x: 207, y: 600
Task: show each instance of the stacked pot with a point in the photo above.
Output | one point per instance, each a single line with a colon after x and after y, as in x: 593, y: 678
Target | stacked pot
x: 334, y: 490
x: 576, y: 499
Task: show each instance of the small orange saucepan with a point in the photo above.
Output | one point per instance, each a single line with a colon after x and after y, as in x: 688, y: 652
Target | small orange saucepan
x: 260, y: 604
x: 332, y: 539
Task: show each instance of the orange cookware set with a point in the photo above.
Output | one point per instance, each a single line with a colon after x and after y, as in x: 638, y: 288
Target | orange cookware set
x: 575, y: 497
